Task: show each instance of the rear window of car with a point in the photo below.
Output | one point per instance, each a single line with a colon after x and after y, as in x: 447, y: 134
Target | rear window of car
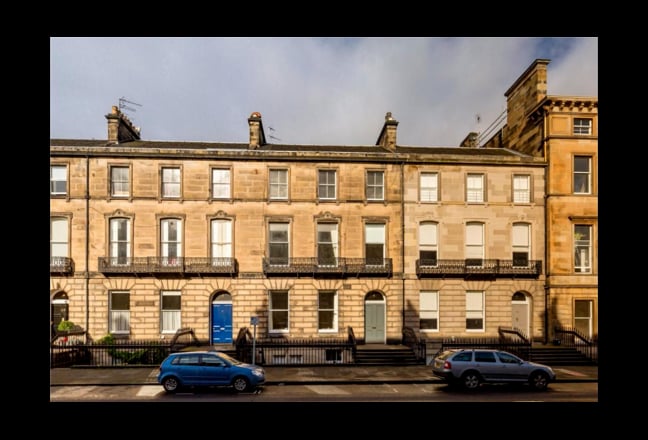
x: 192, y: 359
x: 444, y: 355
x: 464, y: 356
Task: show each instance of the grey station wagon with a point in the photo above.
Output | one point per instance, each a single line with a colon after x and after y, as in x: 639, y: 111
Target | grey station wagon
x: 473, y: 367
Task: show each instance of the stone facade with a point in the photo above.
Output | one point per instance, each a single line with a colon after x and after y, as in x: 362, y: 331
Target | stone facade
x: 563, y: 130
x: 364, y: 297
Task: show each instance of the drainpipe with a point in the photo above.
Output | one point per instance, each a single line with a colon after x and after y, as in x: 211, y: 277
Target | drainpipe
x: 546, y: 232
x: 87, y: 250
x: 402, y: 182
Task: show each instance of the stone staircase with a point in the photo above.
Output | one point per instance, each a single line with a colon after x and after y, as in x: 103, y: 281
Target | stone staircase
x: 381, y: 354
x: 558, y: 356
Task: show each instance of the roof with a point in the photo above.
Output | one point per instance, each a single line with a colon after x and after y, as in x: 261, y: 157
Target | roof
x: 141, y: 147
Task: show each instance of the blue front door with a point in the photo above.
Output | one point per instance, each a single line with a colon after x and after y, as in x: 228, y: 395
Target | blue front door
x: 221, y: 323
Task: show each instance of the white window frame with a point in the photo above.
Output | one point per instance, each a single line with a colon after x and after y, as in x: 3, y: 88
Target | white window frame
x: 221, y: 183
x: 58, y: 174
x: 429, y: 242
x: 475, y: 241
x: 59, y: 237
x: 275, y: 228
x: 167, y: 243
x: 429, y: 187
x: 521, y: 242
x: 170, y: 317
x: 278, y: 184
x: 582, y: 126
x: 375, y: 185
x: 324, y: 186
x: 272, y: 310
x: 475, y: 188
x: 476, y: 309
x: 322, y: 309
x: 521, y: 188
x: 375, y: 233
x: 583, y: 248
x: 221, y: 239
x: 171, y: 182
x: 118, y: 182
x: 429, y: 309
x: 582, y: 176
x: 119, y: 318
x: 333, y: 242
x: 117, y: 243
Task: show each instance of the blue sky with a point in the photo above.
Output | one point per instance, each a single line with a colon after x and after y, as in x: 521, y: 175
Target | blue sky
x: 316, y: 91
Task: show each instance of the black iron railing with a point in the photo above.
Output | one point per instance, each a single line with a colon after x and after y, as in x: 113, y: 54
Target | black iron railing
x: 570, y: 337
x: 151, y: 265
x: 62, y: 265
x: 476, y: 267
x: 314, y: 266
x: 418, y: 345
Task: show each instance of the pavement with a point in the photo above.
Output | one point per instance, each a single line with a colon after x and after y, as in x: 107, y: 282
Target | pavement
x: 293, y: 375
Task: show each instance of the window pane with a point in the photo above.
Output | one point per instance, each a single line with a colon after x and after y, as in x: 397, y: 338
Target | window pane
x: 326, y: 184
x: 220, y: 184
x: 375, y: 185
x: 521, y: 189
x: 120, y: 301
x: 58, y: 179
x: 429, y: 192
x: 278, y: 184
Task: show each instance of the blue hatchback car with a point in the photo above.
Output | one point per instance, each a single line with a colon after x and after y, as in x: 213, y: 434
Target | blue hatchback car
x: 208, y: 368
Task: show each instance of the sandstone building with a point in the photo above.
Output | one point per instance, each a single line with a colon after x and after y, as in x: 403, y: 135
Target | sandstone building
x: 311, y: 240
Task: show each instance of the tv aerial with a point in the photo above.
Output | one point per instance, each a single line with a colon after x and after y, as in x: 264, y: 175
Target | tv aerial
x: 122, y: 104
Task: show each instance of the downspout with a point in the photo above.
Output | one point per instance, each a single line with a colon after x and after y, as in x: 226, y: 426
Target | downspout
x: 546, y: 231
x: 402, y: 183
x: 87, y: 250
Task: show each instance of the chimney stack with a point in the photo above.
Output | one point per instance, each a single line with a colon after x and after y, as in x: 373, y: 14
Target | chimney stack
x: 120, y: 128
x: 257, y: 136
x: 387, y: 138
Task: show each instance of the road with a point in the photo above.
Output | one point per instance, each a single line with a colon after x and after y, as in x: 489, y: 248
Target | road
x: 557, y: 392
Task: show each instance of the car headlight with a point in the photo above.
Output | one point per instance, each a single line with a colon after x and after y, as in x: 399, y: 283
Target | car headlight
x: 258, y: 373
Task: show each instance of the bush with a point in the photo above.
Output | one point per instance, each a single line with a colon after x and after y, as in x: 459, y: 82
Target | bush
x: 65, y: 326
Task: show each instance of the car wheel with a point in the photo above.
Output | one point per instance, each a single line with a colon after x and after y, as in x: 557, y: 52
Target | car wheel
x: 539, y: 381
x: 171, y: 384
x: 471, y: 380
x: 241, y: 384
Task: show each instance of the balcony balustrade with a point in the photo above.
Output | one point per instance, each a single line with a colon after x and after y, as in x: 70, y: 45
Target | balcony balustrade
x: 314, y: 266
x: 61, y: 265
x: 170, y: 265
x: 470, y: 268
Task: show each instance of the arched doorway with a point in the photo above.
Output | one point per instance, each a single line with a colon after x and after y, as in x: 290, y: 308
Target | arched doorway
x: 221, y: 318
x: 59, y: 308
x: 521, y: 313
x: 374, y: 306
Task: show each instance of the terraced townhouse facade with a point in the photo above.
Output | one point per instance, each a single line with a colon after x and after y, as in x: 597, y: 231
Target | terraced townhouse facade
x: 307, y: 240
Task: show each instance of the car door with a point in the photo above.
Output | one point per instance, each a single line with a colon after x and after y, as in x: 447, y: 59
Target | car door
x: 187, y: 367
x: 213, y: 370
x: 488, y: 365
x: 513, y: 368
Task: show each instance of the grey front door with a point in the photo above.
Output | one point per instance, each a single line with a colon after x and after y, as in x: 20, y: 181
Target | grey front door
x: 374, y: 322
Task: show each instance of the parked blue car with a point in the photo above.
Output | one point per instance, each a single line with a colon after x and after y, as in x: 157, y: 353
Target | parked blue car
x: 208, y: 368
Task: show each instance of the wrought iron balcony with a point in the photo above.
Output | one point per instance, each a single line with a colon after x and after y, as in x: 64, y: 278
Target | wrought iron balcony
x: 61, y: 265
x: 162, y: 265
x: 313, y: 266
x: 477, y: 268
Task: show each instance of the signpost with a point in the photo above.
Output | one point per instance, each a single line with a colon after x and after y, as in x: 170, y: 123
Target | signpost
x: 254, y: 320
